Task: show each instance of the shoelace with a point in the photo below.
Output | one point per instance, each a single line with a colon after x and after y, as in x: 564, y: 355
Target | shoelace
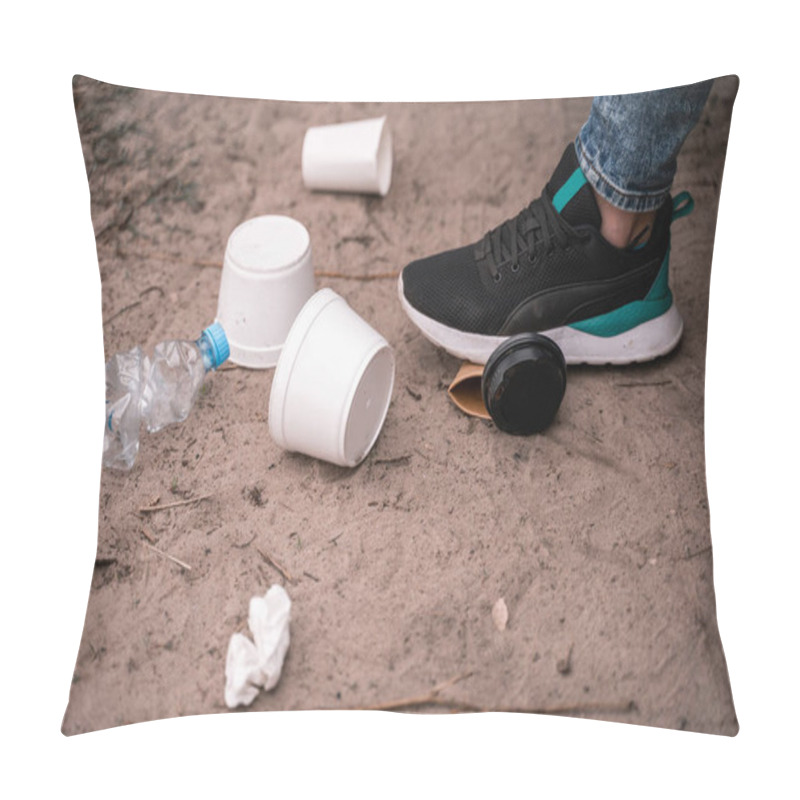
x: 538, y: 225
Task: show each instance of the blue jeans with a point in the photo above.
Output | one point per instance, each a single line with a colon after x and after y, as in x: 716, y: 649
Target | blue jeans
x: 628, y: 147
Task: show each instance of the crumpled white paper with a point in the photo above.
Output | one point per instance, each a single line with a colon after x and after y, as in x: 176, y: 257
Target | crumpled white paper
x: 251, y: 667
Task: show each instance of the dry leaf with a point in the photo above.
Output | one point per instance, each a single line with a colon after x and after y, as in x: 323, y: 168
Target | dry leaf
x: 500, y: 614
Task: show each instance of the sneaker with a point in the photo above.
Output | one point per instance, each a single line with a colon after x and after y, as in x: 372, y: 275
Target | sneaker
x: 548, y: 270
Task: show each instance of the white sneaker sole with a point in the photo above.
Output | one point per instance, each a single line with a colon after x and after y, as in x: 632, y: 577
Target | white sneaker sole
x: 646, y: 341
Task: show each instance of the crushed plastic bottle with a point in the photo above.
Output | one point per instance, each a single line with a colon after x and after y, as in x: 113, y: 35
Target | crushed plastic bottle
x: 159, y: 391
x: 125, y: 379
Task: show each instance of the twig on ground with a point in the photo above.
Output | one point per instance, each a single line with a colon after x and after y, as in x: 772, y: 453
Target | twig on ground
x: 147, y: 535
x: 564, y: 665
x: 121, y: 311
x: 461, y: 706
x: 432, y: 698
x: 167, y: 555
x: 440, y: 687
x: 697, y: 552
x: 390, y: 461
x: 379, y: 276
x: 273, y: 563
x: 148, y: 509
x: 643, y: 383
x: 424, y: 455
x: 246, y: 544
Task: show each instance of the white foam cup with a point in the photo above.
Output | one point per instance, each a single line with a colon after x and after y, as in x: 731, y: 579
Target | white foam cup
x: 267, y: 276
x: 333, y: 383
x: 349, y: 157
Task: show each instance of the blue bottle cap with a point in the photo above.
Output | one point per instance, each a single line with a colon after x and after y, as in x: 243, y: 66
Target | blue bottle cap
x: 215, y: 336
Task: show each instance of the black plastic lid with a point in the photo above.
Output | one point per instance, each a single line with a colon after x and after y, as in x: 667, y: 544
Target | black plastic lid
x: 523, y: 383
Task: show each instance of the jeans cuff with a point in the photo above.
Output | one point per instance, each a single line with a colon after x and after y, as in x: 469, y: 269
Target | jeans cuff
x: 637, y: 202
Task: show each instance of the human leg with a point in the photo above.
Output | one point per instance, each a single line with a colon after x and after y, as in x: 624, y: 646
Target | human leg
x: 628, y: 146
x: 628, y: 150
x: 551, y: 270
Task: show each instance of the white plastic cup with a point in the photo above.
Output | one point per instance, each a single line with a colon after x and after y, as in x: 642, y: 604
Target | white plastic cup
x: 349, y: 157
x: 333, y: 383
x: 267, y: 276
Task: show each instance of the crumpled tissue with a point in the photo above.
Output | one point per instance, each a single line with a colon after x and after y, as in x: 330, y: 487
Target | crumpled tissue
x: 251, y: 667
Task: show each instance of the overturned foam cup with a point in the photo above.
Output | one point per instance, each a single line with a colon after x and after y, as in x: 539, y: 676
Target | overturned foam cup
x: 333, y: 383
x: 349, y: 157
x: 267, y: 276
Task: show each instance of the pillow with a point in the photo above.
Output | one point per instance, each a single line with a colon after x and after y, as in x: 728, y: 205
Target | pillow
x: 457, y: 568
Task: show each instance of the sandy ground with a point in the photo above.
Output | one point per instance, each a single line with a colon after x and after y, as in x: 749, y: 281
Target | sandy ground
x: 596, y: 534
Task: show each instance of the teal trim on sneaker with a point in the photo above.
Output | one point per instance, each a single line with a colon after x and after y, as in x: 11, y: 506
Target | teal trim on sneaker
x: 682, y: 205
x: 622, y: 319
x: 568, y: 190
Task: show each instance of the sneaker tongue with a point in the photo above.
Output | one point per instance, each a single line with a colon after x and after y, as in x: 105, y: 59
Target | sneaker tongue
x: 570, y: 194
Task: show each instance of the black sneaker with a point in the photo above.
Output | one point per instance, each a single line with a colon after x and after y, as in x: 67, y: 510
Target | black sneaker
x: 549, y: 271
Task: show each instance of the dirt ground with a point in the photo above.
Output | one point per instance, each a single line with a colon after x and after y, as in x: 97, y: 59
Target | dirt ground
x: 595, y: 534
